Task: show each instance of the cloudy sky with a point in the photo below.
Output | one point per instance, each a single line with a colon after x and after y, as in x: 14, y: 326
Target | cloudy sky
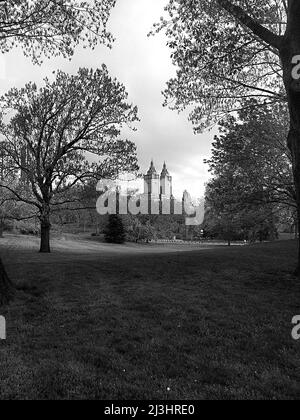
x: 143, y: 64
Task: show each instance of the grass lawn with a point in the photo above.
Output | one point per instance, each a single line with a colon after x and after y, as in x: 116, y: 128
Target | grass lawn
x: 138, y: 322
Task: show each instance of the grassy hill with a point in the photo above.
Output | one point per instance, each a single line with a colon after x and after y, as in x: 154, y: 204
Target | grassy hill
x: 149, y: 322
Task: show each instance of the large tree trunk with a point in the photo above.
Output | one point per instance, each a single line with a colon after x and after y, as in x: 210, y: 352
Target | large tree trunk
x: 45, y: 229
x: 294, y: 146
x: 6, y: 287
x: 289, y: 50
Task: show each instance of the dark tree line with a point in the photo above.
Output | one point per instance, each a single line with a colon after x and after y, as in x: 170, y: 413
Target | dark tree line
x: 252, y: 188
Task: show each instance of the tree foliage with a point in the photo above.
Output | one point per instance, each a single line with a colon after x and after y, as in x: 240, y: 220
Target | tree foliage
x: 251, y: 149
x: 229, y: 50
x: 115, y: 231
x: 53, y: 27
x: 49, y: 28
x: 252, y: 182
x: 65, y: 133
x: 224, y: 51
x: 7, y: 290
x: 230, y: 218
x: 8, y: 206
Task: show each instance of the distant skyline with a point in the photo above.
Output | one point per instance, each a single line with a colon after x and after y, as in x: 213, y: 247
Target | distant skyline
x: 143, y: 65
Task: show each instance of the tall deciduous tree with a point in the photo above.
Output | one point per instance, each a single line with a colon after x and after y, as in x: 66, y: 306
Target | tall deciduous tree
x: 227, y: 50
x: 51, y: 27
x: 58, y: 125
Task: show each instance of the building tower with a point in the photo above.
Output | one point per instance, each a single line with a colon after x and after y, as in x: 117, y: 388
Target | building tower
x: 152, y: 189
x: 165, y: 184
x: 151, y: 180
x: 166, y: 196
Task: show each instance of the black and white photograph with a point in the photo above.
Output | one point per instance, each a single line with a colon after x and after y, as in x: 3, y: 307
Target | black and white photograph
x: 149, y: 203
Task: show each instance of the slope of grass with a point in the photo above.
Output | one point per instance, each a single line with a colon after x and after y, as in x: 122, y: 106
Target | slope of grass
x: 127, y: 324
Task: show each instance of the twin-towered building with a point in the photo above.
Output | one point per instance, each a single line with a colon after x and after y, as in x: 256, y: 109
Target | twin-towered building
x: 158, y: 186
x: 158, y: 191
x: 157, y: 198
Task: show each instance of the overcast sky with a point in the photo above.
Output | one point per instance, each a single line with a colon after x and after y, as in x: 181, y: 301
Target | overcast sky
x: 143, y: 64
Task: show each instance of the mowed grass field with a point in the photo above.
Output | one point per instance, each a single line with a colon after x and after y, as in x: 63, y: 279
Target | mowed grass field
x: 147, y: 322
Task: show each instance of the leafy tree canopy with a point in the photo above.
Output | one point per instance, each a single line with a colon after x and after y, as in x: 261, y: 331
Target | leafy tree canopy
x: 66, y: 133
x: 224, y: 51
x: 252, y: 184
x: 53, y: 27
x: 58, y: 124
x: 251, y: 150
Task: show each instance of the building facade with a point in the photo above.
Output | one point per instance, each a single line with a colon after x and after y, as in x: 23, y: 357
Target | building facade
x: 158, y: 186
x: 158, y: 191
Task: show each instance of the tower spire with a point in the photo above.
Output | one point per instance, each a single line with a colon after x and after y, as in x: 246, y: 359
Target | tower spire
x: 152, y: 169
x: 165, y: 171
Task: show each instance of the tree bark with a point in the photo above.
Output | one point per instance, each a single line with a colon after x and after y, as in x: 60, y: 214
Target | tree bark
x: 289, y: 49
x: 45, y: 229
x: 6, y: 287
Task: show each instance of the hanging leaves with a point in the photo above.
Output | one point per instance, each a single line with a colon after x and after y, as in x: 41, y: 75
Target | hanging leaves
x: 221, y: 61
x: 53, y: 27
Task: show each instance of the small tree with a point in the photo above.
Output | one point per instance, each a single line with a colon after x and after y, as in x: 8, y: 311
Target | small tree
x: 6, y: 287
x: 139, y: 228
x: 115, y: 232
x: 57, y: 126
